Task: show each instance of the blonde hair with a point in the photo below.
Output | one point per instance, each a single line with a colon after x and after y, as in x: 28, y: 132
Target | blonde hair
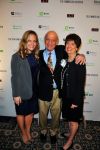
x: 22, y: 51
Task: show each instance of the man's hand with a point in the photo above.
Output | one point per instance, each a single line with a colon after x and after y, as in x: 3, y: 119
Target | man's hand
x: 73, y: 106
x: 17, y: 100
x: 80, y: 59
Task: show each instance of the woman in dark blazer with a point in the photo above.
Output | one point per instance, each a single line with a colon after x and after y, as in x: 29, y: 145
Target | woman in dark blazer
x: 24, y: 69
x: 72, y: 86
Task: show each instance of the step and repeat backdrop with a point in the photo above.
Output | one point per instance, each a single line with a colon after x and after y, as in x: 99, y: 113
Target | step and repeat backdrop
x: 63, y: 16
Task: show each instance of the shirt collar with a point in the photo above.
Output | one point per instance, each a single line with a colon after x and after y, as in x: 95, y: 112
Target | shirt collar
x: 47, y: 52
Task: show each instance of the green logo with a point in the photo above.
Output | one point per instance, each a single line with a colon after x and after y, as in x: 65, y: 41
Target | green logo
x: 93, y: 41
x: 1, y: 50
x: 90, y: 41
x: 68, y: 28
x: 43, y: 14
x: 17, y: 27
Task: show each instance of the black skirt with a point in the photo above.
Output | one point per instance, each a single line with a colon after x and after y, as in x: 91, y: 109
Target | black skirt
x: 70, y: 114
x: 27, y: 107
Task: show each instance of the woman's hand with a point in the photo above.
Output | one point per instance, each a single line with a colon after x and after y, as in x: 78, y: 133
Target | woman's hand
x: 80, y: 59
x: 17, y: 100
x: 73, y: 106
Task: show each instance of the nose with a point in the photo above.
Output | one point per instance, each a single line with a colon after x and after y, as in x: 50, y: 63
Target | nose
x: 50, y: 41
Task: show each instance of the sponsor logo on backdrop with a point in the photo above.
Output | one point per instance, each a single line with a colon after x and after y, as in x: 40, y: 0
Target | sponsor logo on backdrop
x: 1, y: 26
x: 72, y: 1
x: 95, y: 29
x: 3, y: 70
x: 70, y: 15
x: 96, y: 1
x: 15, y: 1
x: 1, y: 50
x: 43, y: 14
x: 44, y: 1
x: 92, y: 74
x: 1, y: 90
x: 92, y: 41
x: 88, y: 111
x: 14, y: 39
x: 17, y: 27
x: 93, y: 16
x: 91, y: 53
x: 43, y: 27
x: 16, y: 14
x: 68, y: 28
x: 88, y: 94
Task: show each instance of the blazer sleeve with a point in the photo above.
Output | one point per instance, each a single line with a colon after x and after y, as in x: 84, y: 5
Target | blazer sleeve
x: 61, y: 51
x: 14, y: 76
x: 81, y: 78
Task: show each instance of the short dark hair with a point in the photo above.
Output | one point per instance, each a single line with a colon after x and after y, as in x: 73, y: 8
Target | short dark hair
x: 74, y: 37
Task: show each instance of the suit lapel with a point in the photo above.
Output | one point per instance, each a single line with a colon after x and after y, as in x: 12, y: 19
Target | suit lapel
x: 57, y: 59
x: 42, y: 58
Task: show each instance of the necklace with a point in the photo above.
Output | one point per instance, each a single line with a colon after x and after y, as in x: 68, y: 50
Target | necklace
x: 63, y: 72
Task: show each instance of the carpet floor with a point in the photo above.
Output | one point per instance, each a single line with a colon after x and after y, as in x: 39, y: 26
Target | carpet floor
x: 87, y: 138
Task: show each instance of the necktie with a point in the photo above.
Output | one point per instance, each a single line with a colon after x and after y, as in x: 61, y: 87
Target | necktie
x: 49, y: 63
x: 50, y: 66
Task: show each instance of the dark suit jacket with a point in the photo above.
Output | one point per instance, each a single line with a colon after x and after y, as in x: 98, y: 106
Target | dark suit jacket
x: 45, y: 79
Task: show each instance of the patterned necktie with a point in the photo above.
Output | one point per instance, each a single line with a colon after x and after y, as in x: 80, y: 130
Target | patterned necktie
x: 49, y: 63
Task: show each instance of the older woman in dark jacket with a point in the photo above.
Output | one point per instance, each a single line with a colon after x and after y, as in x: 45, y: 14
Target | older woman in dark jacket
x: 72, y: 87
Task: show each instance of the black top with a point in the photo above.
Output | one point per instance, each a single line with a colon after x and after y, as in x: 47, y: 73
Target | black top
x: 34, y: 66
